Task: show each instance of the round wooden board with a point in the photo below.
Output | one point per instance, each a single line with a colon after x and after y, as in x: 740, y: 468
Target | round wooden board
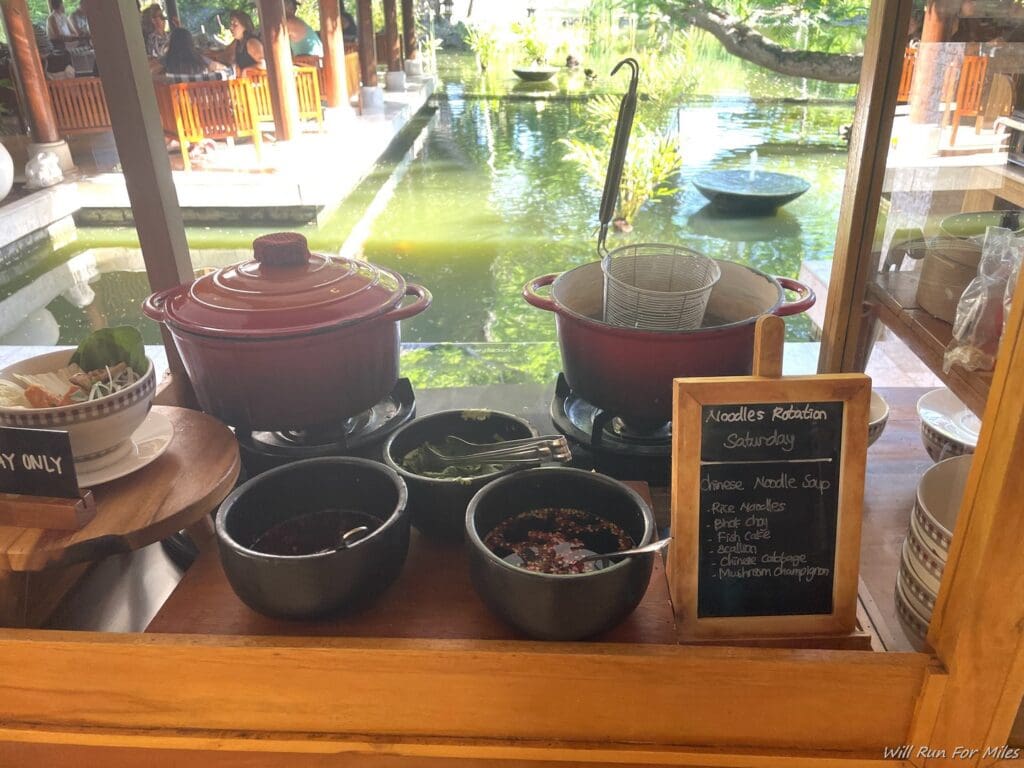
x: 195, y: 474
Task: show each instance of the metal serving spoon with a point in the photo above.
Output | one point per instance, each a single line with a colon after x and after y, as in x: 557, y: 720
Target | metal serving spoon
x: 657, y: 546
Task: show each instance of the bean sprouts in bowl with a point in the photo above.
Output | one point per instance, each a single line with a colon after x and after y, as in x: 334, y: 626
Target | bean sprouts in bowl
x: 99, y: 427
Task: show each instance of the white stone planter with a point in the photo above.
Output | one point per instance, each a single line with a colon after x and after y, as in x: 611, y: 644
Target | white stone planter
x: 6, y: 172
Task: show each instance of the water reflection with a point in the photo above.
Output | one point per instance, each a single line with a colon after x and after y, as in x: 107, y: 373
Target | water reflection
x: 710, y: 222
x: 489, y: 204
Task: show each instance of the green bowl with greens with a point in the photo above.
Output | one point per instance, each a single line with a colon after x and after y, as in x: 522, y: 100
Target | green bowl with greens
x: 972, y: 225
x: 438, y: 495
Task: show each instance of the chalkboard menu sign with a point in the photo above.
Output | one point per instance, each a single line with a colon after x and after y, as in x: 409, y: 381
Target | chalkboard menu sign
x: 768, y: 480
x: 769, y: 495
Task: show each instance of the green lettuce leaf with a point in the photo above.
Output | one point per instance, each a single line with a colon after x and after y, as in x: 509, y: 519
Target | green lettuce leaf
x: 109, y: 346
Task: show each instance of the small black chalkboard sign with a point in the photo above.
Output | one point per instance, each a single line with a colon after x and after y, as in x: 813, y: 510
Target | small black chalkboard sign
x: 37, y: 462
x: 767, y: 496
x: 769, y: 500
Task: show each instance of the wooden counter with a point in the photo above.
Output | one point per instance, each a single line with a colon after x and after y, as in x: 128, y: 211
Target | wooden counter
x: 178, y: 490
x: 204, y: 603
x: 432, y: 599
x: 371, y: 690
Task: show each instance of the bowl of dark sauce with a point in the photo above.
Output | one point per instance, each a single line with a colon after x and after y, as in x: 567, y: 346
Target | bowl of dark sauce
x: 526, y: 533
x: 314, y: 538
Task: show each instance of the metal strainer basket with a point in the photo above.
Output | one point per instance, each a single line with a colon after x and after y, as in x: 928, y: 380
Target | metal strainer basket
x: 657, y: 286
x: 652, y: 286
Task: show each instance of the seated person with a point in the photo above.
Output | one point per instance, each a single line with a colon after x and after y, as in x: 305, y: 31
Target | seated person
x: 303, y: 39
x: 59, y: 29
x: 154, y: 31
x: 42, y: 41
x: 248, y: 50
x: 80, y: 22
x: 349, y: 29
x: 183, y: 61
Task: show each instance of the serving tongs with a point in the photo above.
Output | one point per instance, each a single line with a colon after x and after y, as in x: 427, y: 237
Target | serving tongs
x: 528, y: 450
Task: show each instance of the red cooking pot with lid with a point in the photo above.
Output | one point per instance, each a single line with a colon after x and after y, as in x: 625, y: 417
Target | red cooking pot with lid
x: 290, y: 339
x: 284, y: 290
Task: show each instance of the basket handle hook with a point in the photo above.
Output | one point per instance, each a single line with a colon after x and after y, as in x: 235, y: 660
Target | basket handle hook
x: 620, y: 142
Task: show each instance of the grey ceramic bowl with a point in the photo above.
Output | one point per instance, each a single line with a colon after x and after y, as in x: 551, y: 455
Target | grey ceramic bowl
x: 535, y: 74
x: 316, y: 585
x: 549, y: 606
x: 745, y: 192
x: 437, y: 505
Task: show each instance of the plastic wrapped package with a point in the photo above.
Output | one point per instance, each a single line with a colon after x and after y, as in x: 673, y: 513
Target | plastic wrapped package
x: 1011, y: 284
x: 980, y: 312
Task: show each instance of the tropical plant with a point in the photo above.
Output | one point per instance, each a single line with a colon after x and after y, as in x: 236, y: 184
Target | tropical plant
x: 532, y: 41
x: 652, y: 161
x: 484, y: 43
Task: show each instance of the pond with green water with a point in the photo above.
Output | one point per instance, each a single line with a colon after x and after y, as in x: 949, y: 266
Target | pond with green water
x: 488, y: 203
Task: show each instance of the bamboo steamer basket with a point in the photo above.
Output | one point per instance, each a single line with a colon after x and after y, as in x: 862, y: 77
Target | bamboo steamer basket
x: 948, y: 266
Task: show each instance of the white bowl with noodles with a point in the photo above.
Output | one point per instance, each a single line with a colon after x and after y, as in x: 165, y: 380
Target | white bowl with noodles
x: 100, y: 429
x: 878, y: 415
x: 948, y: 427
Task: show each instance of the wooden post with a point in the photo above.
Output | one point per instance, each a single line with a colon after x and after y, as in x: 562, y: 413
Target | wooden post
x: 172, y: 9
x: 976, y: 628
x: 29, y: 68
x: 939, y: 19
x: 284, y: 99
x: 334, y: 54
x: 367, y: 44
x: 135, y: 121
x: 391, y: 40
x: 865, y: 170
x: 412, y: 49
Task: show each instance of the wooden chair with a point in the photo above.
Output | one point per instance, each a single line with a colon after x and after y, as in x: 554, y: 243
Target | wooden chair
x: 907, y: 76
x: 351, y: 70
x: 218, y: 109
x: 352, y: 74
x: 316, y: 62
x: 307, y: 85
x: 962, y: 89
x: 79, y: 105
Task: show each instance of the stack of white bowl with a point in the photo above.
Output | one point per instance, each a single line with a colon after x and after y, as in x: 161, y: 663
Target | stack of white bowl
x: 948, y: 427
x: 878, y: 415
x: 927, y: 544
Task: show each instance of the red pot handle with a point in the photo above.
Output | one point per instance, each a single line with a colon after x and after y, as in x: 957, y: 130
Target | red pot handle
x: 805, y: 302
x: 534, y: 298
x: 153, y: 306
x: 423, y: 300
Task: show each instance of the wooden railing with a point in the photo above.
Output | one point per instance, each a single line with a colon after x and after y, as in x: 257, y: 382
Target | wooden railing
x: 351, y: 70
x: 79, y: 105
x: 907, y: 75
x: 307, y: 84
x: 215, y: 109
x: 218, y: 109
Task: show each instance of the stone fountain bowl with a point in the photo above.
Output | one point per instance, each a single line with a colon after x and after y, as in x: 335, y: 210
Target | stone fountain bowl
x: 746, y: 192
x: 535, y: 74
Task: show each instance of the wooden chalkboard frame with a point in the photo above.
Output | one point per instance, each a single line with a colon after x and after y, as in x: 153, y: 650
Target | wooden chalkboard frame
x: 690, y: 396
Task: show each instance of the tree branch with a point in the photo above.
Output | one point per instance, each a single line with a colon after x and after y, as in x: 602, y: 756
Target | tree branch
x: 747, y: 43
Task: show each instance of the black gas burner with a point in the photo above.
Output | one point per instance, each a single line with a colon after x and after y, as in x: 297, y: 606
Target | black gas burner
x: 614, y: 447
x: 360, y: 435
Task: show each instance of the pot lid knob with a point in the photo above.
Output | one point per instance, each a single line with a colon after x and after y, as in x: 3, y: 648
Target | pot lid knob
x: 281, y: 249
